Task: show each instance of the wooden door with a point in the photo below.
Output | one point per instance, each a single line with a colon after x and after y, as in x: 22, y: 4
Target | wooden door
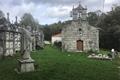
x: 80, y: 45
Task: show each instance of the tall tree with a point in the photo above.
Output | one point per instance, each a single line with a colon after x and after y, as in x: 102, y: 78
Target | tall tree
x: 28, y: 20
x: 93, y: 18
x: 110, y: 30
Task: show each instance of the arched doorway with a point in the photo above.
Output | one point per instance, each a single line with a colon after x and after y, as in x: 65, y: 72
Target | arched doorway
x: 79, y: 45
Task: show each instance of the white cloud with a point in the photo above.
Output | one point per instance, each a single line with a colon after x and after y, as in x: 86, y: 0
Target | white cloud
x: 109, y: 1
x: 60, y: 11
x: 17, y: 10
x: 49, y: 11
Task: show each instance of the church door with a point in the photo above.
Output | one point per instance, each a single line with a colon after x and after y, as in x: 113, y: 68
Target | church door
x: 80, y: 45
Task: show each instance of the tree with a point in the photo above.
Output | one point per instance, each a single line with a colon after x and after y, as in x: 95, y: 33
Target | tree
x: 1, y: 14
x: 2, y: 17
x: 28, y: 20
x: 47, y: 32
x: 93, y: 18
x: 110, y: 29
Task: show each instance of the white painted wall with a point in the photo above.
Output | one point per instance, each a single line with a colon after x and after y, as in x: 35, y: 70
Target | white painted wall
x: 55, y: 38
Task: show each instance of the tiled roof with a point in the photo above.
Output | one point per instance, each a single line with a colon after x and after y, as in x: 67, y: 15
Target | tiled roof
x: 57, y: 35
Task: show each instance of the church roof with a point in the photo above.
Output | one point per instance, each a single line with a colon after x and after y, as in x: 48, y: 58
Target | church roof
x: 57, y: 35
x: 80, y: 7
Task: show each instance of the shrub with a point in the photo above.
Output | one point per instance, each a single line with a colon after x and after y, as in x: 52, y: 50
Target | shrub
x: 39, y: 47
x: 58, y: 44
x: 91, y: 51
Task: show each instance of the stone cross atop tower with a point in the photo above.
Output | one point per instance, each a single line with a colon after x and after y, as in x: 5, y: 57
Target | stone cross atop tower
x: 79, y: 12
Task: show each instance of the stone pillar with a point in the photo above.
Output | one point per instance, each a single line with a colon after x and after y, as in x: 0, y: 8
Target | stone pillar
x: 26, y: 65
x: 14, y: 52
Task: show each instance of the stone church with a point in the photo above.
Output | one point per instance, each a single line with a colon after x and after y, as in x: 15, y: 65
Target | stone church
x: 79, y: 36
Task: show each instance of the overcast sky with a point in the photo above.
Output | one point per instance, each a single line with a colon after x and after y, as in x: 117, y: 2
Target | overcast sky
x: 50, y: 11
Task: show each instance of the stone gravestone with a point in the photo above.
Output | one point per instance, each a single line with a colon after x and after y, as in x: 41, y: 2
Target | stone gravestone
x: 26, y: 63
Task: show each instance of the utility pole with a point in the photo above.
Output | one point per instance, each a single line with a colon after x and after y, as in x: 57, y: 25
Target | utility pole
x: 103, y: 6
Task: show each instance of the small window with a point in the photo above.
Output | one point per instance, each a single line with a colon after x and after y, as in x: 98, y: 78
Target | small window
x: 79, y: 15
x: 80, y: 29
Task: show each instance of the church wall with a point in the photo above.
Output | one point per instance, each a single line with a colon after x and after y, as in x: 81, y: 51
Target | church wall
x: 71, y: 34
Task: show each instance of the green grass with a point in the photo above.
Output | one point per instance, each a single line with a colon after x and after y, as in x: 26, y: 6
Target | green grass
x: 57, y: 65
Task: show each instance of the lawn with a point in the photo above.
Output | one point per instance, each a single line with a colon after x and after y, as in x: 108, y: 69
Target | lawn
x: 57, y: 65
